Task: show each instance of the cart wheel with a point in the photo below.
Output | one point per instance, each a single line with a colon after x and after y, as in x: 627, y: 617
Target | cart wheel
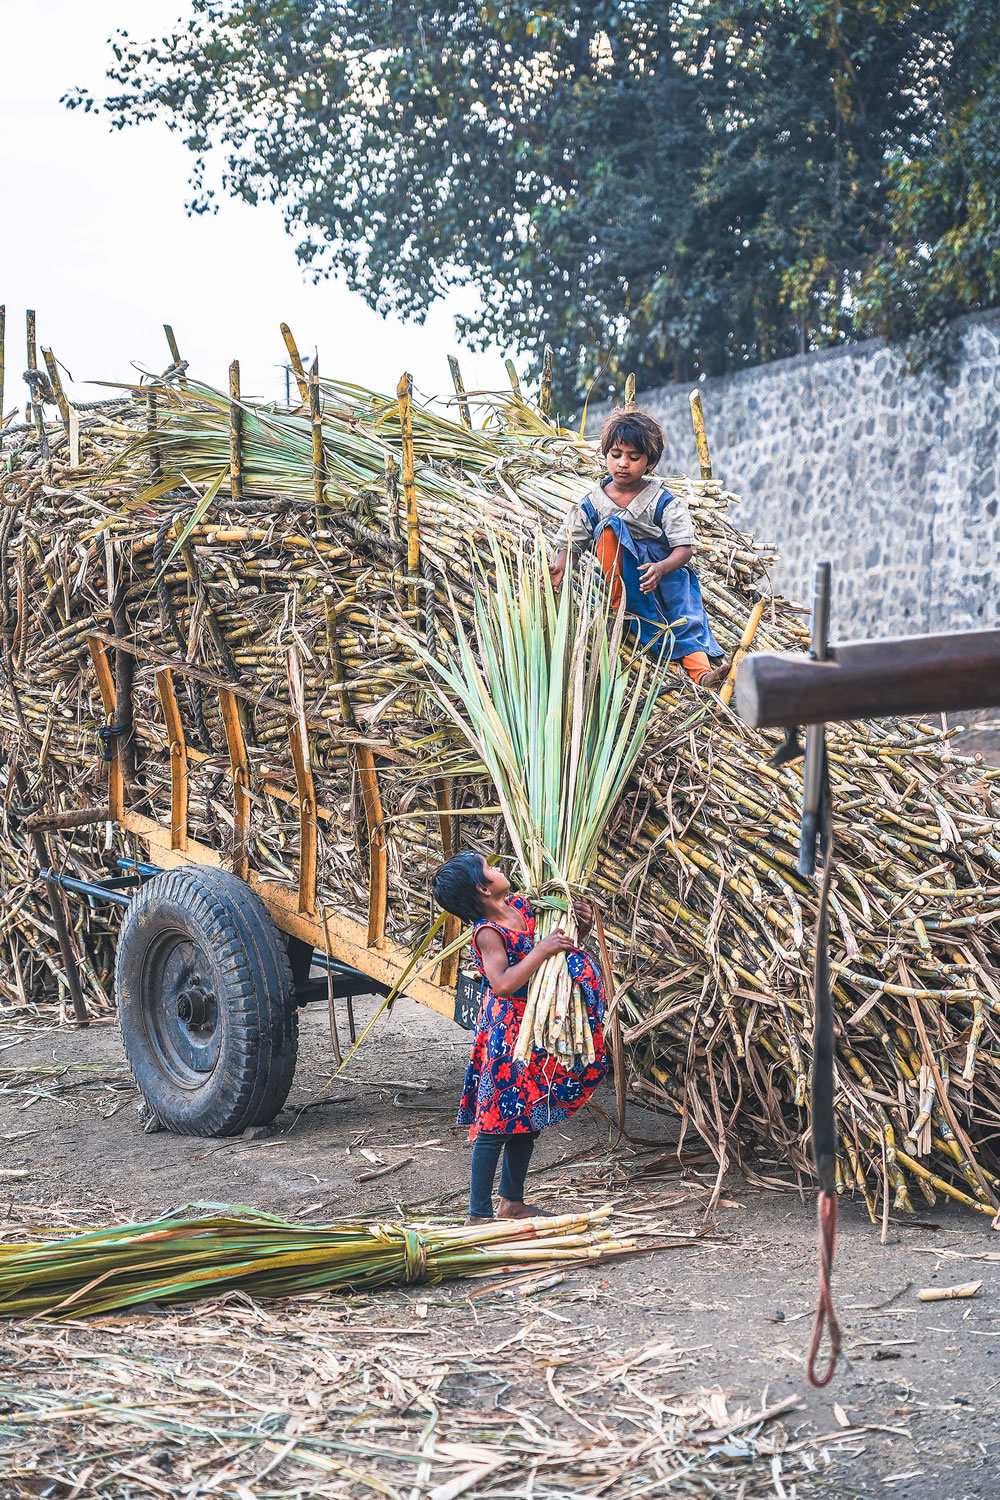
x: 205, y: 1000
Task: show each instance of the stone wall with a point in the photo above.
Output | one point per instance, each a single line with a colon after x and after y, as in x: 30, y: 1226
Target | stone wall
x: 843, y: 454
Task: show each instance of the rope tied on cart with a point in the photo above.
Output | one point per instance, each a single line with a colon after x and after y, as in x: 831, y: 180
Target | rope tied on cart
x: 824, y: 1121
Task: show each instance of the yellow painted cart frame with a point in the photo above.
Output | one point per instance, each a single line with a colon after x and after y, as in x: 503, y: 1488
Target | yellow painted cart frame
x: 297, y: 911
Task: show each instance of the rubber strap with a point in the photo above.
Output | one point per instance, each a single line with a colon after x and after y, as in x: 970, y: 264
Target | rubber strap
x: 824, y: 1120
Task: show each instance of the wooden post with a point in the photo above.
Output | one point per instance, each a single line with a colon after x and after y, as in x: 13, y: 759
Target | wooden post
x: 392, y: 496
x: 57, y: 906
x: 298, y: 741
x: 235, y: 433
x: 447, y: 974
x: 700, y: 436
x: 308, y: 842
x: 459, y: 384
x: 29, y: 329
x: 57, y: 389
x: 629, y: 392
x: 106, y: 685
x: 295, y: 361
x: 545, y: 395
x: 378, y: 866
x: 178, y: 759
x: 405, y: 399
x: 318, y: 454
x: 175, y: 354
x: 746, y: 641
x: 154, y: 451
x: 515, y: 384
x: 240, y: 771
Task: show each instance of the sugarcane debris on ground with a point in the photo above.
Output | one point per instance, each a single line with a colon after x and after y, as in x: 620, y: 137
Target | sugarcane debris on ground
x: 732, y: 1295
x: 708, y: 920
x: 245, y: 1399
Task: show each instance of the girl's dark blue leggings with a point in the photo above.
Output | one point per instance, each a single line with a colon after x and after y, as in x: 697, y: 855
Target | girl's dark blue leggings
x: 485, y: 1155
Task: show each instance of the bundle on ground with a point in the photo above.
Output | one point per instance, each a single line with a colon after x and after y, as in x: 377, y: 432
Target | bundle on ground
x: 708, y: 919
x: 180, y: 1259
x: 556, y: 712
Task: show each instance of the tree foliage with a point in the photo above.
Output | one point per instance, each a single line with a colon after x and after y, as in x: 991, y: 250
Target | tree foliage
x: 668, y: 188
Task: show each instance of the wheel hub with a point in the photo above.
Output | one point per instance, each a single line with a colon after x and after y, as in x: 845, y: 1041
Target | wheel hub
x: 196, y: 1006
x: 184, y: 1020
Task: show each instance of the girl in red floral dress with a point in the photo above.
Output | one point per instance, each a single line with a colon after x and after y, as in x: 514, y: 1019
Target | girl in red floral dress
x: 506, y: 1103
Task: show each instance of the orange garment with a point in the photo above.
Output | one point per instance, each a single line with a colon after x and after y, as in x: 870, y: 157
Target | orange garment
x: 609, y: 555
x: 696, y: 664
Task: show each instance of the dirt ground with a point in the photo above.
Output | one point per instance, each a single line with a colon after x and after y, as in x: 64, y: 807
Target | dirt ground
x: 920, y: 1387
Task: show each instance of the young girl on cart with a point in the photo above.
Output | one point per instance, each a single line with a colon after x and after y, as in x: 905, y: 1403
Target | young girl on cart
x: 644, y: 539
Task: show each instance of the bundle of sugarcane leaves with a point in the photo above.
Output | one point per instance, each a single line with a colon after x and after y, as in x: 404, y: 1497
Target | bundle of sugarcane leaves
x: 556, y: 710
x: 178, y: 1259
x: 708, y: 921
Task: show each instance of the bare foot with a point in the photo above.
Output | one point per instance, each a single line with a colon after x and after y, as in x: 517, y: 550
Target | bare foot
x: 478, y: 1219
x: 507, y: 1208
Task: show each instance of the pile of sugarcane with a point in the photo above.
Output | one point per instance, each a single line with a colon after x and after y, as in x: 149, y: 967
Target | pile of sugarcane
x: 300, y: 553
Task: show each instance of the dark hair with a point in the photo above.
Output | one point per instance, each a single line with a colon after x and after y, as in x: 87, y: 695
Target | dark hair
x: 637, y: 429
x: 457, y: 884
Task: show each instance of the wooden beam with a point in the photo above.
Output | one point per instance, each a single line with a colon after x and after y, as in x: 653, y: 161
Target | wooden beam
x: 918, y: 674
x: 240, y: 773
x: 178, y: 759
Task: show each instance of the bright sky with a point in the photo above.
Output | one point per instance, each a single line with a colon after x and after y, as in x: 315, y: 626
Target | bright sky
x: 94, y: 237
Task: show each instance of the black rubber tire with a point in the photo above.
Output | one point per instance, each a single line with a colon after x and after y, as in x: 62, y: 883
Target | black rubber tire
x: 200, y: 940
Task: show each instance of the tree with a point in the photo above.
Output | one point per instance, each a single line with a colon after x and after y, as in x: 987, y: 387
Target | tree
x: 940, y: 255
x: 667, y: 188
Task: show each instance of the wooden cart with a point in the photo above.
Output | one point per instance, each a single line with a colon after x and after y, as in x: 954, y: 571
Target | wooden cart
x: 213, y: 958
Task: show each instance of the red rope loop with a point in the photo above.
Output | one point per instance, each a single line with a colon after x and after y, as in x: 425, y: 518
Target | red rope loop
x: 826, y: 1317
